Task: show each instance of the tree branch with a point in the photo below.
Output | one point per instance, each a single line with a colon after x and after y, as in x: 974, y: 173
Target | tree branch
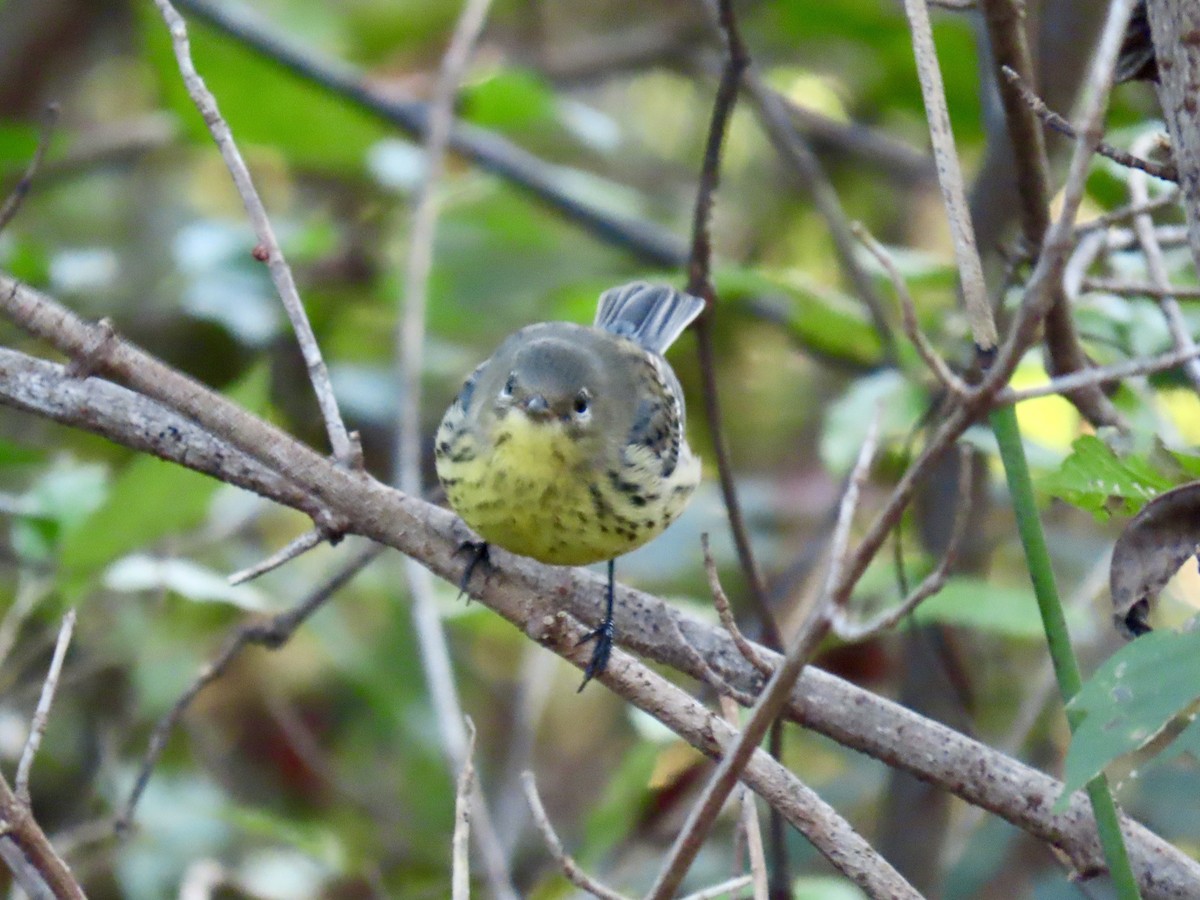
x: 532, y: 597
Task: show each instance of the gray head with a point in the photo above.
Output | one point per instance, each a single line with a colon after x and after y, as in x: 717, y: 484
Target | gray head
x: 550, y: 378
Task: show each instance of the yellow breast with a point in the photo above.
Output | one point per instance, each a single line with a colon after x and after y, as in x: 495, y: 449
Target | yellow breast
x: 539, y: 493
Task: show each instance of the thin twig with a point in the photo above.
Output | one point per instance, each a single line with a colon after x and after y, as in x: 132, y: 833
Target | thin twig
x: 461, y: 843
x: 31, y: 590
x: 1165, y: 171
x: 725, y: 611
x: 1166, y: 200
x: 732, y: 886
x: 488, y: 150
x: 343, y: 447
x: 912, y: 328
x: 41, y: 715
x: 1101, y: 374
x: 12, y: 203
x: 409, y: 359
x: 1006, y: 31
x: 1141, y: 289
x: 814, y: 626
x: 749, y: 820
x: 737, y: 60
x: 35, y: 864
x: 272, y: 633
x: 570, y: 868
x: 932, y: 583
x: 1156, y: 264
x: 295, y: 547
x: 970, y: 269
x: 530, y: 595
x: 700, y: 284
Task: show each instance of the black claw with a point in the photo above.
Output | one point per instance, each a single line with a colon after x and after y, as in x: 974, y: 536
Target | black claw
x: 480, y: 556
x: 603, y: 636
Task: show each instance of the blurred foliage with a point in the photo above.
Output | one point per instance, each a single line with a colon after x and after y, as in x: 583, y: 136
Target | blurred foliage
x: 318, y: 771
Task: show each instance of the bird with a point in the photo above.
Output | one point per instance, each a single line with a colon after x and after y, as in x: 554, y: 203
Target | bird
x: 569, y: 445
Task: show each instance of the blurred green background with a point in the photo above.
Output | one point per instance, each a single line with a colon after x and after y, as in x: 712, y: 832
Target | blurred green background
x: 317, y: 771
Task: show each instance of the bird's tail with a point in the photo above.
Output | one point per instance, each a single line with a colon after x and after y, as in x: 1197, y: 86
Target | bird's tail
x: 652, y: 315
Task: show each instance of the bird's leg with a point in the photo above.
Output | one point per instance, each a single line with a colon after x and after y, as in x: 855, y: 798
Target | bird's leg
x: 603, y: 635
x: 480, y: 556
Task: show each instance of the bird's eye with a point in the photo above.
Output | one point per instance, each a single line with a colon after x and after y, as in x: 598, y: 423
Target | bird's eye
x: 582, y: 403
x: 509, y: 386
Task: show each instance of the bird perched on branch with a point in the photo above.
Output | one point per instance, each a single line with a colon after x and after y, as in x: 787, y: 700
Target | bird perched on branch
x: 568, y: 444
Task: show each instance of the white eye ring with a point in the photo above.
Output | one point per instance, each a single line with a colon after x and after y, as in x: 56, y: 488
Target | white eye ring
x: 582, y: 404
x: 509, y: 386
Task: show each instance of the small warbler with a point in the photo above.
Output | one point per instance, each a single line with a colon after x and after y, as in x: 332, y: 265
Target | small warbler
x: 568, y: 444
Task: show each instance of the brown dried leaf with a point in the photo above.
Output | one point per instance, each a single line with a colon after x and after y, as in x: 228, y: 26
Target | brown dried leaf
x: 1159, y: 539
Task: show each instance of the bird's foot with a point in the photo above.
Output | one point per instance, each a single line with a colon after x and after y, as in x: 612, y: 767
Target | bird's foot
x: 479, y: 556
x: 603, y: 636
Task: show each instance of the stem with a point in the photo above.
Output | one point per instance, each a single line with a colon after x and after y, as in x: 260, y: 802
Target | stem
x: 1058, y: 638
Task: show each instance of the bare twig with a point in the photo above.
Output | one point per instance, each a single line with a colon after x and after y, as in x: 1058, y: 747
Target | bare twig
x: 1141, y: 289
x: 1047, y: 274
x: 931, y: 584
x: 530, y: 596
x: 1005, y: 20
x: 37, y: 728
x: 296, y: 547
x: 488, y: 150
x: 732, y: 886
x: 1166, y: 200
x: 970, y: 269
x: 1165, y: 171
x: 814, y: 626
x: 31, y: 589
x: 461, y: 868
x: 737, y: 60
x: 725, y: 611
x: 749, y: 820
x: 1156, y: 264
x: 272, y: 634
x: 409, y: 363
x: 28, y: 853
x: 344, y: 449
x: 700, y: 284
x: 912, y: 328
x: 570, y: 868
x: 1101, y: 374
x: 12, y: 203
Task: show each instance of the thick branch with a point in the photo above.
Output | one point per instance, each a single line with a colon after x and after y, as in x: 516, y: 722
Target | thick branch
x: 529, y: 595
x: 1175, y: 27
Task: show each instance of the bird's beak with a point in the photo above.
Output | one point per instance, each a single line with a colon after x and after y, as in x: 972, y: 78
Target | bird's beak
x: 536, y: 407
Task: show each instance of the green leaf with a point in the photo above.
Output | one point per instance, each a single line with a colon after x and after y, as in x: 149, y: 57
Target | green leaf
x: 1093, y: 474
x: 887, y: 394
x: 149, y: 499
x: 821, y: 320
x: 509, y: 99
x: 140, y: 572
x: 613, y: 817
x: 261, y: 101
x: 1138, y: 691
x: 58, y: 504
x: 976, y: 603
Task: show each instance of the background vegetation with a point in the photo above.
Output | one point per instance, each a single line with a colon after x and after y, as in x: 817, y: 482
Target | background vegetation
x: 320, y: 769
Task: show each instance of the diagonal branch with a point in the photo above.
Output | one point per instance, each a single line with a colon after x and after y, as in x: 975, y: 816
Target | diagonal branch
x: 1010, y: 51
x: 268, y: 249
x: 531, y: 595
